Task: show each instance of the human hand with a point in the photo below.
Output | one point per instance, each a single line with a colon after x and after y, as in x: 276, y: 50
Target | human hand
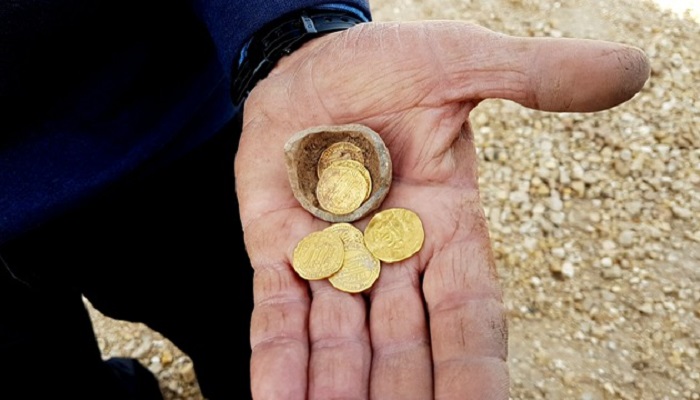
x: 432, y: 326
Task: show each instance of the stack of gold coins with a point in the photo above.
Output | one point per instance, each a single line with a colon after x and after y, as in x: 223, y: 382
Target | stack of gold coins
x: 343, y: 181
x: 349, y: 258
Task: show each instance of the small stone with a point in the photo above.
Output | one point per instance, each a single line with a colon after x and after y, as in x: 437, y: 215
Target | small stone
x: 634, y: 207
x: 567, y: 270
x: 187, y: 373
x: 559, y: 252
x: 622, y: 167
x: 557, y: 218
x: 173, y: 387
x: 564, y: 177
x: 555, y: 267
x: 555, y: 202
x: 646, y: 308
x: 609, y: 387
x: 681, y: 212
x: 519, y: 197
x: 626, y: 238
x: 166, y: 358
x: 694, y: 236
x: 640, y: 365
x: 143, y: 349
x: 612, y: 273
x: 578, y: 187
x: 675, y: 359
x: 625, y: 155
x: 155, y: 368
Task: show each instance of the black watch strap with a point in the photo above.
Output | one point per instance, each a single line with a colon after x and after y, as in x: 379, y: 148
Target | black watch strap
x: 280, y: 38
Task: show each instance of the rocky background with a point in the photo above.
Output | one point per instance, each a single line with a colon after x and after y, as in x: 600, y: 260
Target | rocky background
x: 595, y: 217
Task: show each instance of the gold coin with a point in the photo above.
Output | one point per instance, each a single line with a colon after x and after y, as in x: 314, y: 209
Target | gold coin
x: 394, y: 234
x: 341, y: 190
x: 361, y: 168
x: 347, y: 232
x: 318, y: 255
x: 339, y: 151
x: 359, y: 271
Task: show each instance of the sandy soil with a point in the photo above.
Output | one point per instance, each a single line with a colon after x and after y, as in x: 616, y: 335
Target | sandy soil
x: 595, y: 218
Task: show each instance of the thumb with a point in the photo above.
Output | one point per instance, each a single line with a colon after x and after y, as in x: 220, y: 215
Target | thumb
x: 430, y: 63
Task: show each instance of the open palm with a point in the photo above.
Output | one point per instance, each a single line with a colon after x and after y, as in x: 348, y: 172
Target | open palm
x: 432, y: 326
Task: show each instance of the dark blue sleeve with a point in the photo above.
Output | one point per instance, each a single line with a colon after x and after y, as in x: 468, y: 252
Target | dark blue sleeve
x: 156, y: 85
x: 232, y: 22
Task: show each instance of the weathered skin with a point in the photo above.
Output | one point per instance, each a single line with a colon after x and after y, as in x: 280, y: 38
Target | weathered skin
x: 432, y: 326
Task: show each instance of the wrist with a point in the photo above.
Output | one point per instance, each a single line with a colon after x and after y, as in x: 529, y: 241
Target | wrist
x: 280, y: 38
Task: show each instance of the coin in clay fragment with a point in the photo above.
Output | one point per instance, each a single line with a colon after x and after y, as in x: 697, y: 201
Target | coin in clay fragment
x: 341, y: 190
x: 339, y: 151
x: 360, y: 168
x: 318, y: 255
x: 394, y: 234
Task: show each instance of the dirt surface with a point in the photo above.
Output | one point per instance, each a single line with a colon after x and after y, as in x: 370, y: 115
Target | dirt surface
x: 595, y: 218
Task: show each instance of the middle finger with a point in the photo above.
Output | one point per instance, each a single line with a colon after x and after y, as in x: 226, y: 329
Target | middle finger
x: 340, y: 357
x: 401, y: 364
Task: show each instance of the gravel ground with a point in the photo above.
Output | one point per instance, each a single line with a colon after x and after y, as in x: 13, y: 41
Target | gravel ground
x: 594, y: 217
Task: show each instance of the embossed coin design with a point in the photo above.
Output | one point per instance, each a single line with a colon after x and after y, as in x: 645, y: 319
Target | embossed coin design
x: 359, y: 271
x: 394, y: 234
x: 359, y: 167
x: 318, y: 255
x: 339, y: 151
x: 341, y: 190
x: 347, y: 232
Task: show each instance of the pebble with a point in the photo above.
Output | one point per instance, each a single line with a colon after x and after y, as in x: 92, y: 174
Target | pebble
x: 646, y: 308
x: 567, y: 270
x: 682, y: 212
x: 143, y: 349
x: 187, y: 373
x: 626, y: 238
